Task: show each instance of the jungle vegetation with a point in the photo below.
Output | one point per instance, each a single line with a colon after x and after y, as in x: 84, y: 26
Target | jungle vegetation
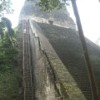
x: 9, y: 76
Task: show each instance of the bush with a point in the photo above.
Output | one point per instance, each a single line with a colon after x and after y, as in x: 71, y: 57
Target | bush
x: 9, y: 77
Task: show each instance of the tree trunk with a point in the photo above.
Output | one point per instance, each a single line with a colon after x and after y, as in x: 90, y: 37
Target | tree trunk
x: 86, y: 54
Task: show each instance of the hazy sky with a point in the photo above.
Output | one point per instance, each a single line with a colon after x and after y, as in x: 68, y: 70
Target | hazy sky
x: 17, y: 5
x: 89, y: 12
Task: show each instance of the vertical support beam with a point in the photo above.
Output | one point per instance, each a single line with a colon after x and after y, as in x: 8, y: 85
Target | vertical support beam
x: 85, y: 50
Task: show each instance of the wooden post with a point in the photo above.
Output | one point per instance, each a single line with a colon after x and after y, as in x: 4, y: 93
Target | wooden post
x: 86, y: 54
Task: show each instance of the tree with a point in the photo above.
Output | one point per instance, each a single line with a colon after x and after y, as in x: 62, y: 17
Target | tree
x: 1, y: 30
x: 10, y: 32
x: 48, y: 5
x: 55, y: 4
x: 8, y: 24
x: 5, y: 6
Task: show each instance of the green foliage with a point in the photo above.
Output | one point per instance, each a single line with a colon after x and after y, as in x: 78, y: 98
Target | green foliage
x: 6, y: 30
x: 48, y: 5
x: 5, y: 5
x: 9, y: 78
x: 7, y: 55
x: 9, y: 86
x: 6, y: 22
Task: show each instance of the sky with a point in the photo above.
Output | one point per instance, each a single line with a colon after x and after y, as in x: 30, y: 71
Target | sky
x: 89, y: 11
x: 17, y: 6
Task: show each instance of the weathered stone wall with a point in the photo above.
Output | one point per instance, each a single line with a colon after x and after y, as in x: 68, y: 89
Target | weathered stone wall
x: 59, y: 17
x: 68, y: 46
x: 64, y: 81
